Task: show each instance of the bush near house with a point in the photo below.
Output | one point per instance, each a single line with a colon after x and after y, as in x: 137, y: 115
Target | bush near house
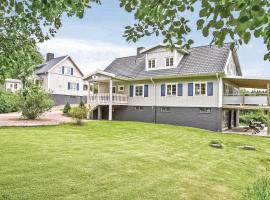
x: 78, y: 113
x: 66, y: 109
x: 34, y: 101
x: 258, y: 116
x: 8, y: 102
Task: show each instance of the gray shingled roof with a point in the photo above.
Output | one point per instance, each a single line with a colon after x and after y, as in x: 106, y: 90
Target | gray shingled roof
x: 44, y: 68
x: 200, y: 60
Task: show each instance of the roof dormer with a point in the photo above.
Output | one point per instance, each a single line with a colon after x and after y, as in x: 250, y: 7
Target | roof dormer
x: 159, y: 57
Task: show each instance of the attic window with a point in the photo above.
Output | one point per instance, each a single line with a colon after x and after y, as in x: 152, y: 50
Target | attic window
x: 151, y: 64
x: 169, y: 62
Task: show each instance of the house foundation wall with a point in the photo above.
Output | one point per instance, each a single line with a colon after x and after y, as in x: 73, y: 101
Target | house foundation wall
x: 63, y: 99
x: 184, y: 116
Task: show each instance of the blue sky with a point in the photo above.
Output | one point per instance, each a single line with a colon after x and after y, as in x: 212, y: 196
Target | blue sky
x: 96, y: 40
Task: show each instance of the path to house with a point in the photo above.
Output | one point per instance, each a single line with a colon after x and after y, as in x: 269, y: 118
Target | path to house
x: 52, y: 117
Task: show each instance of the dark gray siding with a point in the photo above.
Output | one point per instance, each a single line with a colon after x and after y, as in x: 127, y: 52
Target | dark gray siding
x: 183, y: 116
x: 62, y: 99
x: 191, y: 117
x: 128, y: 113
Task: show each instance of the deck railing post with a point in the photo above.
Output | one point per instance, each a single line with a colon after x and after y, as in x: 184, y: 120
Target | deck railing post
x: 268, y: 111
x: 111, y: 99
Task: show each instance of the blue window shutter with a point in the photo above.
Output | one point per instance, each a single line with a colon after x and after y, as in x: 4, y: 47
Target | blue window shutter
x: 131, y: 91
x: 190, y: 89
x: 71, y: 71
x: 78, y: 86
x: 68, y: 85
x: 162, y: 90
x: 145, y: 90
x: 180, y: 89
x: 210, y: 89
x: 63, y: 70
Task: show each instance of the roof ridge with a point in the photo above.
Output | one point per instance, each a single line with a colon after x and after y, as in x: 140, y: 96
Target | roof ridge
x: 209, y: 45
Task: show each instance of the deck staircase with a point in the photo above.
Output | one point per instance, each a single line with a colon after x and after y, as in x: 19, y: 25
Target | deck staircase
x: 92, y: 107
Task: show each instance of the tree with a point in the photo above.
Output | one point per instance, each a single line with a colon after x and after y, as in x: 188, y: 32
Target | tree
x: 236, y: 20
x: 18, y: 63
x: 34, y: 101
x: 23, y: 23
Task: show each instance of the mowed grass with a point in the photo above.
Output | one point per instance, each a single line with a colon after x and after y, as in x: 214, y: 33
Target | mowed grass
x: 126, y: 160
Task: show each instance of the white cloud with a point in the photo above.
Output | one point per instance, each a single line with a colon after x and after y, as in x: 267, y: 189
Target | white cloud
x: 89, y: 55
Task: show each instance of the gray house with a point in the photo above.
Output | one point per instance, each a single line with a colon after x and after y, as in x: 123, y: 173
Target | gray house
x: 198, y: 88
x: 63, y: 78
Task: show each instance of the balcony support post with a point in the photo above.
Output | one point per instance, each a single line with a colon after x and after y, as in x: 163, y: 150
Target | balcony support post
x: 268, y: 104
x: 110, y: 102
x: 99, y: 113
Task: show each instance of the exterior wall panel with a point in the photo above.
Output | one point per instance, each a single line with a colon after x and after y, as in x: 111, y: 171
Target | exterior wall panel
x: 184, y: 116
x: 63, y: 99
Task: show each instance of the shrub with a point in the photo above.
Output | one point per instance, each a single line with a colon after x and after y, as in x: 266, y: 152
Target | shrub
x: 246, y: 117
x: 78, y: 114
x: 8, y: 102
x: 82, y: 104
x: 259, y: 190
x: 66, y: 109
x: 34, y: 101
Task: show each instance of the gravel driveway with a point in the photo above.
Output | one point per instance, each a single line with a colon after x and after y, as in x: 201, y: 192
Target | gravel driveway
x: 52, y: 117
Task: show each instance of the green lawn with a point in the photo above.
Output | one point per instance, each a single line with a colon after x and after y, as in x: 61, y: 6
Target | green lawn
x: 126, y: 160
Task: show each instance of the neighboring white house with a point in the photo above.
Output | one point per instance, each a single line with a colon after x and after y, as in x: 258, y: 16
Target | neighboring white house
x: 63, y: 78
x: 198, y: 88
x: 12, y: 85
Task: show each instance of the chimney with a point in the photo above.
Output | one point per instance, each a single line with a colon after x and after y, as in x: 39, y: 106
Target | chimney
x: 49, y: 56
x: 138, y: 50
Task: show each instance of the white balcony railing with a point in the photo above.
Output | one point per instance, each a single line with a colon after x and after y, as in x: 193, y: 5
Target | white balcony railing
x: 104, y: 98
x: 258, y: 99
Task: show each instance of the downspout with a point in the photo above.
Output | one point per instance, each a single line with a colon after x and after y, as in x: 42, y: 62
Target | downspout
x: 218, y: 99
x: 154, y: 103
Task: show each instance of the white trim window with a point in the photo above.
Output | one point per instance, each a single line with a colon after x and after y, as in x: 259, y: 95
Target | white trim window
x: 113, y: 89
x: 138, y: 90
x: 171, y: 89
x: 200, y: 89
x: 140, y: 108
x: 169, y: 62
x: 205, y: 110
x: 121, y: 88
x: 165, y: 109
x: 72, y: 86
x: 151, y: 64
x: 65, y: 70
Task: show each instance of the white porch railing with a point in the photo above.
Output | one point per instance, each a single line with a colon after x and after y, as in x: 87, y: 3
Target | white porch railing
x: 258, y: 99
x: 104, y: 98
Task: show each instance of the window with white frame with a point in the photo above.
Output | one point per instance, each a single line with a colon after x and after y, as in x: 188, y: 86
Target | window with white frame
x: 138, y: 108
x: 171, y: 89
x: 169, y: 62
x: 65, y: 70
x: 121, y: 88
x: 205, y: 110
x: 85, y: 87
x: 113, y: 89
x: 200, y: 88
x: 151, y: 64
x: 72, y: 86
x: 165, y: 109
x: 138, y: 90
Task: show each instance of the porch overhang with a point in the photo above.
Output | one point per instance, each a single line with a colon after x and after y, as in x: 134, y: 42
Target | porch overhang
x: 248, y: 82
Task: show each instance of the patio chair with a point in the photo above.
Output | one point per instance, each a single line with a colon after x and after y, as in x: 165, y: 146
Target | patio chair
x: 253, y: 127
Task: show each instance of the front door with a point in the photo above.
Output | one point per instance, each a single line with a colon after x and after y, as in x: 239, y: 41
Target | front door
x: 114, y: 89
